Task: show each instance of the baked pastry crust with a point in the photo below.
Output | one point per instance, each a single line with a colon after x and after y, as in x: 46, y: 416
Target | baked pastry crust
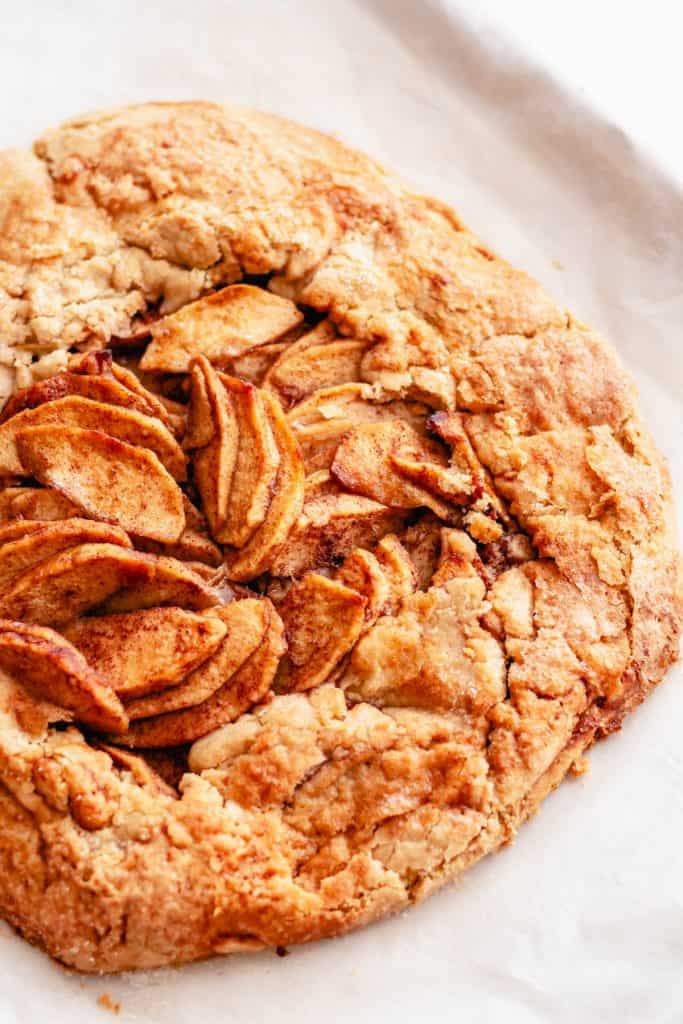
x: 320, y: 810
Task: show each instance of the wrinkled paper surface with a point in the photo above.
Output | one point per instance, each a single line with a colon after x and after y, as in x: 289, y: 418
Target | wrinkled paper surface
x: 581, y: 919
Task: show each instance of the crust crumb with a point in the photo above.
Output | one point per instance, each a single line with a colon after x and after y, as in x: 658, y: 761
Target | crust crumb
x: 580, y: 766
x: 107, y: 1003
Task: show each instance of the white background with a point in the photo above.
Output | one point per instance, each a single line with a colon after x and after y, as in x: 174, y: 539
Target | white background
x: 543, y: 124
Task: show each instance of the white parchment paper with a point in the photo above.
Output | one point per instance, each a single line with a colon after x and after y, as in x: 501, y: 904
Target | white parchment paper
x: 581, y: 920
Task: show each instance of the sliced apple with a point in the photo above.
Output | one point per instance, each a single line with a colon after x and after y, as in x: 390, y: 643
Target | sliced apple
x: 447, y: 482
x: 219, y: 326
x: 19, y: 528
x: 422, y: 541
x: 154, y: 405
x: 24, y: 552
x: 364, y: 463
x: 193, y: 545
x: 73, y: 411
x: 323, y: 619
x: 256, y: 466
x: 299, y: 374
x: 320, y: 421
x: 317, y: 360
x: 168, y: 582
x: 321, y: 334
x: 450, y: 428
x: 96, y: 388
x: 349, y: 405
x: 384, y: 577
x: 399, y: 570
x: 68, y: 584
x: 209, y: 573
x: 319, y: 485
x: 51, y: 669
x: 205, y: 393
x: 329, y: 528
x: 253, y: 364
x: 108, y: 479
x: 97, y: 363
x: 247, y: 686
x: 101, y: 364
x: 362, y: 572
x: 245, y: 623
x: 7, y: 496
x: 194, y: 517
x: 259, y: 552
x: 145, y: 651
x: 213, y: 429
x: 319, y: 447
x: 35, y: 503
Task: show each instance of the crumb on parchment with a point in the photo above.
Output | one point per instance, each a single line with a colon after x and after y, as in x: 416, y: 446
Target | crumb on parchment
x: 107, y: 1003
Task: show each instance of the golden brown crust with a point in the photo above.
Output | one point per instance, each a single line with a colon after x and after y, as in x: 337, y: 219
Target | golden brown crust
x: 316, y: 812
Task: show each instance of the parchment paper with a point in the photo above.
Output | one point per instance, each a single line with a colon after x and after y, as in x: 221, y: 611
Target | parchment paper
x: 581, y: 920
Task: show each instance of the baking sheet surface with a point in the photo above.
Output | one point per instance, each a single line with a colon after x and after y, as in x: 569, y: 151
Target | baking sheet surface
x: 582, y: 918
